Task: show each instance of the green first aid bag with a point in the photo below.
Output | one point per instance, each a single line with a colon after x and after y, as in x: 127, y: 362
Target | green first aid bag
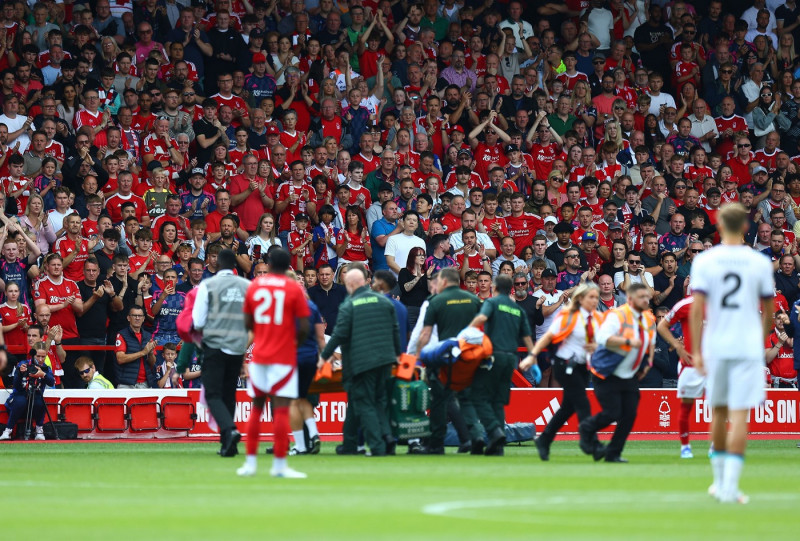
x: 408, y: 404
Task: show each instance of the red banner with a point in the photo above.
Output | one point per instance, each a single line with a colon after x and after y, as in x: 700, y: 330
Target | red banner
x: 658, y: 411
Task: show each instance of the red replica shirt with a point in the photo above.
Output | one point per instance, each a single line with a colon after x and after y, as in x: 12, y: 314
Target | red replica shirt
x: 680, y: 314
x: 474, y: 262
x: 355, y: 249
x: 569, y: 81
x: 768, y: 161
x: 275, y: 302
x: 55, y: 293
x: 235, y: 102
x: 496, y: 228
x: 55, y: 150
x: 9, y: 316
x: 370, y: 164
x: 522, y: 229
x: 290, y: 139
x: 65, y: 247
x: 305, y: 193
x: 735, y: 123
x: 114, y: 206
x: 158, y: 147
x: 136, y: 262
x: 486, y: 157
x: 543, y: 158
x: 84, y: 117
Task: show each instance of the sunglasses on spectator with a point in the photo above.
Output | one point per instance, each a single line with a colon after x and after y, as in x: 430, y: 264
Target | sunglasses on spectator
x: 634, y: 261
x: 726, y: 71
x: 746, y: 145
x: 521, y: 284
x: 696, y: 250
x: 85, y: 372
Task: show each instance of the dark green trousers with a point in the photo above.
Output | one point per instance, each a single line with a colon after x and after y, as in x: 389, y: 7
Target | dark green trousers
x: 440, y: 396
x: 367, y: 409
x: 491, y: 390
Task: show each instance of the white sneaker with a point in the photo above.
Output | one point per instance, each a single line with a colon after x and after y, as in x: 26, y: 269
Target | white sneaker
x: 287, y: 473
x: 6, y: 435
x: 247, y: 470
x: 39, y: 433
x: 686, y: 451
x: 712, y: 490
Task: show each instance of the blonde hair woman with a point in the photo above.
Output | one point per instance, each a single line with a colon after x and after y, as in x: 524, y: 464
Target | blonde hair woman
x: 581, y: 105
x: 35, y: 221
x: 572, y: 336
x: 614, y: 135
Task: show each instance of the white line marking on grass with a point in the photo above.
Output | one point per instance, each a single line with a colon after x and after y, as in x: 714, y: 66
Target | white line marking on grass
x: 605, y: 499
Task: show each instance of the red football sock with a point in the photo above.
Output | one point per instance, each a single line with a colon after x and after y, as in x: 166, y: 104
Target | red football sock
x: 253, y: 430
x: 280, y: 418
x: 683, y: 423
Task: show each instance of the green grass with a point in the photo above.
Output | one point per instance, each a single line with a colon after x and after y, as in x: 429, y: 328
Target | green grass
x: 184, y: 491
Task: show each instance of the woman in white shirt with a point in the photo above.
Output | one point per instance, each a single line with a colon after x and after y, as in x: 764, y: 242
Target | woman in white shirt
x: 572, y: 336
x: 264, y: 238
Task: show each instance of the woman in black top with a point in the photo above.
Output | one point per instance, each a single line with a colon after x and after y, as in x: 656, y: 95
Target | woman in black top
x: 413, y: 281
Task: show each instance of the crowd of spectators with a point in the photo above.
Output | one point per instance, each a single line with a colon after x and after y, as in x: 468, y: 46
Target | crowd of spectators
x: 551, y: 141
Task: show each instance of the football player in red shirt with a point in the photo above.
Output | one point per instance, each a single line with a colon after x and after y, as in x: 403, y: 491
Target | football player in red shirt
x: 276, y: 312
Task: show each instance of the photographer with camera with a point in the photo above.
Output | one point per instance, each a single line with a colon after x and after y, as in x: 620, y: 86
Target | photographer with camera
x: 31, y: 376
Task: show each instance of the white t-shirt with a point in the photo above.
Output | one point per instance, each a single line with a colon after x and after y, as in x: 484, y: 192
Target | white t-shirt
x: 657, y: 101
x: 619, y: 277
x: 13, y: 125
x: 601, y: 21
x: 398, y: 246
x: 734, y: 279
x: 549, y: 300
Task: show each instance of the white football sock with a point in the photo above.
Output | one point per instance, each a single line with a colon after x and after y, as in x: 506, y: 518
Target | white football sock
x: 251, y: 460
x: 278, y: 463
x: 311, y: 424
x: 299, y: 440
x: 730, y: 479
x: 718, y: 468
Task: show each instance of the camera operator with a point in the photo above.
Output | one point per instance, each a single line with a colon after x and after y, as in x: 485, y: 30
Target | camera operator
x: 30, y: 376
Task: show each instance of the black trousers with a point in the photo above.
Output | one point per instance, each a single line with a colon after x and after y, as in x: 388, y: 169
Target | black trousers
x: 220, y: 374
x: 619, y: 399
x: 573, y: 400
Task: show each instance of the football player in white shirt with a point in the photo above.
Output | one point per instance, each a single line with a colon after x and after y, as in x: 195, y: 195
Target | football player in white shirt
x: 733, y: 287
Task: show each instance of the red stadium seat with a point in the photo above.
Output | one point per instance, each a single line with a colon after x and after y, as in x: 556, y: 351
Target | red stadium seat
x: 79, y: 411
x: 518, y: 380
x: 177, y: 413
x: 3, y: 415
x: 143, y: 414
x: 109, y: 415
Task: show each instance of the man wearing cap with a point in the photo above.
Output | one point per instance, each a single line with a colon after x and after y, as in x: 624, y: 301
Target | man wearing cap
x: 554, y: 299
x: 375, y: 211
x: 555, y: 252
x: 464, y: 157
x: 259, y: 83
x: 573, y: 271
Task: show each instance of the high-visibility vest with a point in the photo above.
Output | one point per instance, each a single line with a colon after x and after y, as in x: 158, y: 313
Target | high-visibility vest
x: 568, y: 324
x: 101, y: 380
x: 628, y: 326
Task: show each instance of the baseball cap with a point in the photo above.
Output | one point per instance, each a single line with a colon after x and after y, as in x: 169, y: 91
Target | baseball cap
x: 551, y: 220
x: 732, y: 178
x: 301, y: 216
x: 549, y: 273
x: 458, y: 128
x: 259, y: 58
x: 647, y: 220
x: 512, y: 148
x: 465, y: 152
x: 257, y: 33
x: 563, y: 227
x: 615, y: 225
x: 599, y: 56
x: 272, y: 129
x: 198, y: 171
x: 713, y: 191
x: 589, y: 235
x: 79, y: 7
x: 385, y: 187
x: 759, y: 169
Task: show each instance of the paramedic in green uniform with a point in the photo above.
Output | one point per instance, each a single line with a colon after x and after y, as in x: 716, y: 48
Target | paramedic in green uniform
x: 368, y: 333
x: 505, y: 324
x: 451, y: 310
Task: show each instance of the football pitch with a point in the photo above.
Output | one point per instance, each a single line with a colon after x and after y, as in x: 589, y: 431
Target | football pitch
x: 159, y: 491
